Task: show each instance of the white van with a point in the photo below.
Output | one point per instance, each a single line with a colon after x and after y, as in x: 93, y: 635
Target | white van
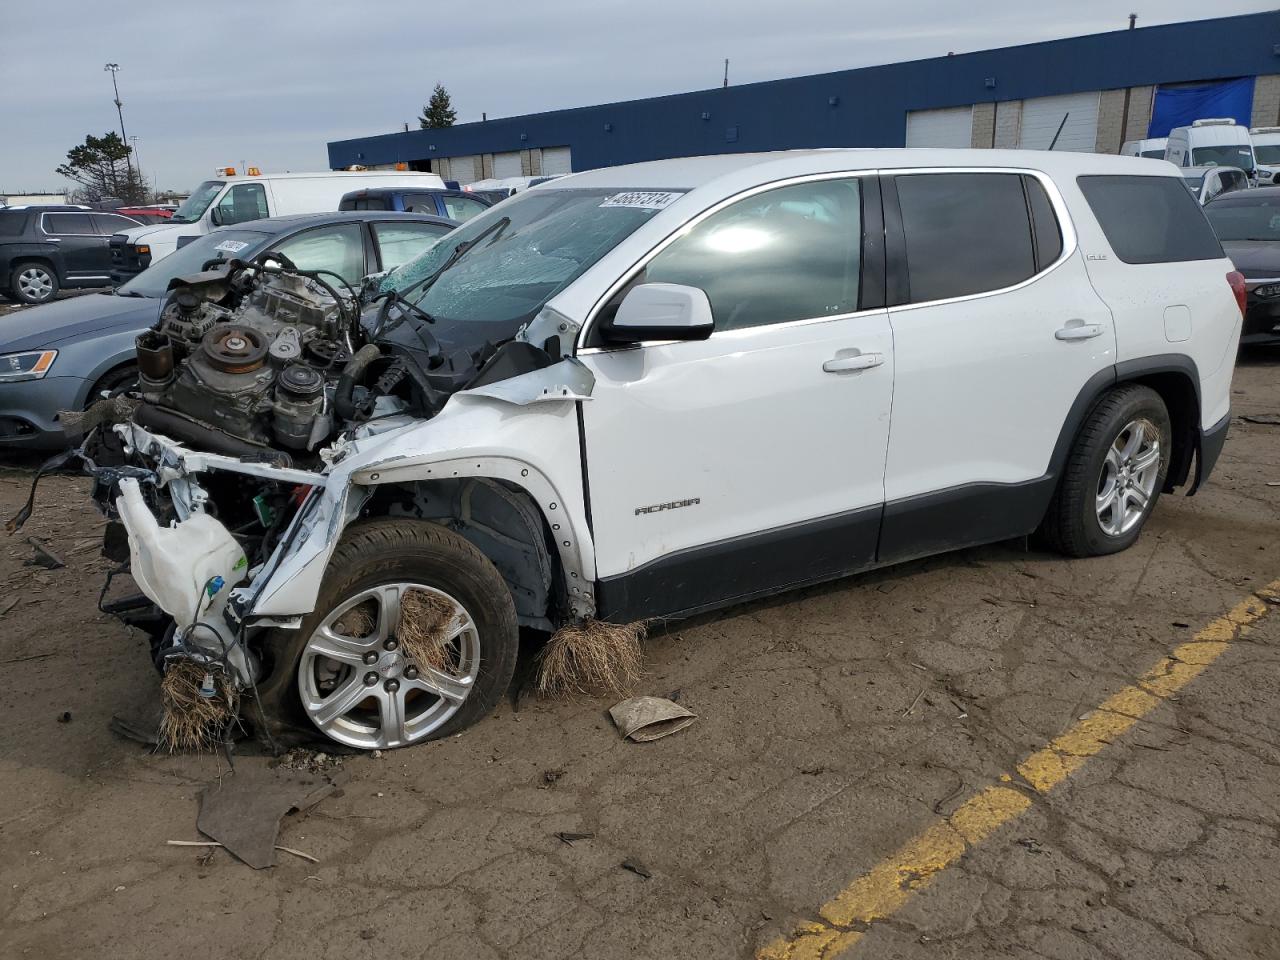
x: 1152, y: 148
x: 1211, y: 143
x: 1266, y: 151
x: 234, y: 198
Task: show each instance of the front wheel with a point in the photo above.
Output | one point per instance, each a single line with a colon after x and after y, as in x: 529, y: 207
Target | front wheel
x: 414, y: 637
x: 1113, y: 475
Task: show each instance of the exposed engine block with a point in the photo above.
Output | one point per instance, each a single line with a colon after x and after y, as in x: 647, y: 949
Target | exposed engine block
x: 264, y: 371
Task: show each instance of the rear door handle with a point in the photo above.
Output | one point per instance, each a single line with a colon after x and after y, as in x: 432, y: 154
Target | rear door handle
x: 1079, y: 330
x: 855, y: 361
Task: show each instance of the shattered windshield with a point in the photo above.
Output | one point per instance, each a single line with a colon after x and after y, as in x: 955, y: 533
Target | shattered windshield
x: 195, y: 205
x: 552, y: 238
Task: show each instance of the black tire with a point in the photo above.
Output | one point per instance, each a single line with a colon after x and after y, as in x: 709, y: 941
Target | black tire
x: 48, y: 278
x: 1072, y: 524
x: 113, y: 383
x: 387, y: 551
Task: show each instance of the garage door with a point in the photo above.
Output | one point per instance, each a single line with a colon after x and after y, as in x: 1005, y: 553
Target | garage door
x: 1042, y: 116
x: 506, y: 164
x: 952, y: 127
x: 556, y: 160
x: 463, y: 169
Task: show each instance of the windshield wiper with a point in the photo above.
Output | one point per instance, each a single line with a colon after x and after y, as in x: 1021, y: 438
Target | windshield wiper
x: 461, y: 250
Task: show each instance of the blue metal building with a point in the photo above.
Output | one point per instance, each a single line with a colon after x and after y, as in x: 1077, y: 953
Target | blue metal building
x: 1092, y: 93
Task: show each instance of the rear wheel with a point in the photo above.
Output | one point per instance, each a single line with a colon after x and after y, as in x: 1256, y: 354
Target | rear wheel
x: 349, y: 675
x: 33, y: 282
x: 1113, y: 476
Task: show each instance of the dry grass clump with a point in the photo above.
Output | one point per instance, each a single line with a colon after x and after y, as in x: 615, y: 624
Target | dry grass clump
x: 190, y: 721
x: 591, y: 657
x: 424, y: 622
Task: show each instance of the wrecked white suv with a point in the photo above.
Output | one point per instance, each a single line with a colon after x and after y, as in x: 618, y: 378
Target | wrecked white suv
x: 648, y: 391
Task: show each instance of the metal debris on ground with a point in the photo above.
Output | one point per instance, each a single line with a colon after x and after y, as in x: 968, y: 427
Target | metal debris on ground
x: 312, y: 761
x: 591, y: 657
x: 43, y: 557
x: 636, y: 867
x: 569, y: 839
x: 642, y: 719
x: 242, y: 811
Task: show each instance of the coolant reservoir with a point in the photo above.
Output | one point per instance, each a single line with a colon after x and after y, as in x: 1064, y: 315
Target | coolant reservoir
x: 187, y: 569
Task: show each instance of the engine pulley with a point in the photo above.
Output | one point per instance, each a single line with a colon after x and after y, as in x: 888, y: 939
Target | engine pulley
x: 234, y: 349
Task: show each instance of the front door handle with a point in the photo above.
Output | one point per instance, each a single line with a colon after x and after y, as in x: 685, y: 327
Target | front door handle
x: 853, y: 361
x: 1079, y: 330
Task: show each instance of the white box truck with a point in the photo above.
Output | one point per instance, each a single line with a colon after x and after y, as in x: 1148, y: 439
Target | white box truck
x: 235, y: 198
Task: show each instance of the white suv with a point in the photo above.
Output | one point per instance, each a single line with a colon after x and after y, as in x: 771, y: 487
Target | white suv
x: 683, y: 384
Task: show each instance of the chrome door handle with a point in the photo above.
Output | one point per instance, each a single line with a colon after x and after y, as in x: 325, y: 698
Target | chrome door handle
x: 857, y: 361
x: 1079, y: 331
x: 53, y: 239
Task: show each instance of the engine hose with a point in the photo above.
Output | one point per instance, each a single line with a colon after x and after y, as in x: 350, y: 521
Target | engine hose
x: 205, y: 437
x: 352, y: 374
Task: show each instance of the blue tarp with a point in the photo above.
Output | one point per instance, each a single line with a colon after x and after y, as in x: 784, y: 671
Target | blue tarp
x: 1178, y: 106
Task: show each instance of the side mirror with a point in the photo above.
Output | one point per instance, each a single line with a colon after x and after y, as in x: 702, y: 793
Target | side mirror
x: 215, y: 216
x: 661, y: 311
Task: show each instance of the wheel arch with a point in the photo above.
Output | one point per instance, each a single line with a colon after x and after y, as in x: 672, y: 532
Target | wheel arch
x: 1175, y: 378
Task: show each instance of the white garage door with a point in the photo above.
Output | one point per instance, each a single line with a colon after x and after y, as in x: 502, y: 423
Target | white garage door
x: 556, y: 160
x: 463, y: 169
x: 1042, y: 116
x: 952, y: 127
x: 506, y: 164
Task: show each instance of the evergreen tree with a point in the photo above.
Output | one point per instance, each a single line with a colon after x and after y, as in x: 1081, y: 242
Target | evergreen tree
x: 438, y: 111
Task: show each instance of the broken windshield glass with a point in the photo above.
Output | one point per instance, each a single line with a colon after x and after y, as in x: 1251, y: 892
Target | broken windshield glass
x: 552, y: 237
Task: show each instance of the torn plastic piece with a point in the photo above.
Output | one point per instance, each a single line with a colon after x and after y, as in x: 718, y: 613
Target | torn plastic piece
x: 642, y: 719
x: 243, y: 811
x: 567, y: 380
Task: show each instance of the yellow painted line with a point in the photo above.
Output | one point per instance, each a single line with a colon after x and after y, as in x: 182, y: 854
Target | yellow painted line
x: 881, y: 891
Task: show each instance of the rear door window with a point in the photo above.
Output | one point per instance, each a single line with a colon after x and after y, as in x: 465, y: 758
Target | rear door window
x: 967, y: 233
x: 1150, y: 219
x: 69, y: 225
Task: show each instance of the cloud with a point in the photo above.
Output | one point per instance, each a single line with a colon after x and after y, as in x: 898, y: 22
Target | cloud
x: 206, y: 85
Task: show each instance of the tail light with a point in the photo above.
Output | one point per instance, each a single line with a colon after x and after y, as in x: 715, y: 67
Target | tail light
x: 1236, y: 281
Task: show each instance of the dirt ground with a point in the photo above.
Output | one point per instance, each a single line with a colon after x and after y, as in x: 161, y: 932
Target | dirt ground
x: 834, y: 725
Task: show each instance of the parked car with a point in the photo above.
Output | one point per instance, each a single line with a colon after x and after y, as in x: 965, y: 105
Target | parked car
x: 454, y: 204
x: 148, y: 214
x: 64, y: 355
x: 503, y: 187
x: 1248, y: 224
x: 1213, y: 142
x: 1152, y: 148
x: 1266, y: 151
x: 1205, y: 183
x: 751, y: 372
x: 233, y: 199
x: 45, y: 249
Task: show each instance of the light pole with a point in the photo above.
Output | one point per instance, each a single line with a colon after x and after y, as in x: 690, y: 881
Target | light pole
x: 113, y: 69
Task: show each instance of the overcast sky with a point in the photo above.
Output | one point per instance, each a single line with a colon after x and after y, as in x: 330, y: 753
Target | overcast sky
x: 209, y: 84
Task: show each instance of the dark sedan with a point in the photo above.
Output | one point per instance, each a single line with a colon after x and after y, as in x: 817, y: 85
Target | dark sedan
x: 63, y: 355
x: 1248, y: 224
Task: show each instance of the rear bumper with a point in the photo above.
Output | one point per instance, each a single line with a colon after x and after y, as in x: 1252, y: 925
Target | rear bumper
x: 1212, y: 441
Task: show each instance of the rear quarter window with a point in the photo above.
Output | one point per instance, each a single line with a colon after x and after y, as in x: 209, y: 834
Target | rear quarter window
x: 12, y: 224
x: 1150, y: 219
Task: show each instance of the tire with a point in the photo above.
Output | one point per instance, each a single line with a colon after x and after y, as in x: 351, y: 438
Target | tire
x: 113, y: 383
x: 33, y: 281
x: 1077, y: 523
x: 387, y: 556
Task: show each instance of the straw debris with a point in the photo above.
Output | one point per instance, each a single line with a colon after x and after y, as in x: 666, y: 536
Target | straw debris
x: 591, y: 657
x: 190, y: 721
x: 422, y: 631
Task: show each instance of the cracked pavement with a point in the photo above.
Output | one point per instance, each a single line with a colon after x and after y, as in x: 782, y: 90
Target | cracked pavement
x: 834, y: 725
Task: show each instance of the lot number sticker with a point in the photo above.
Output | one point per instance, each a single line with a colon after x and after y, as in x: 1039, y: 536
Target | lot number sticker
x: 231, y: 246
x: 641, y: 200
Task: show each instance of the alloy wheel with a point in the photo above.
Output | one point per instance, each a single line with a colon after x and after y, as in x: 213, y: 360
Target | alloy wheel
x: 35, y: 283
x: 359, y: 688
x: 1129, y: 476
